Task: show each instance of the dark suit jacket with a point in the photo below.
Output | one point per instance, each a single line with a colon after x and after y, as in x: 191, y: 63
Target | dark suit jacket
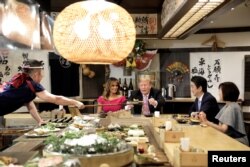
x: 154, y: 93
x: 209, y: 105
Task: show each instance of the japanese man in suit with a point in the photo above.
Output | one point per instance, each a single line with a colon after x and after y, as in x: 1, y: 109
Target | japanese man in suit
x: 204, y: 102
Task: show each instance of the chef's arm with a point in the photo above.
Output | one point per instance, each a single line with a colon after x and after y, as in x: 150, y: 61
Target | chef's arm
x: 34, y: 113
x: 59, y: 100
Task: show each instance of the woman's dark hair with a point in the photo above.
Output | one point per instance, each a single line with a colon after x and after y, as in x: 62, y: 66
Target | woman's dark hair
x: 200, y: 81
x: 31, y: 64
x: 110, y: 81
x: 230, y: 91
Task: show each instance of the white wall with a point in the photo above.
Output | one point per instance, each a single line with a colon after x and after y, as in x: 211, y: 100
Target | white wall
x: 15, y: 59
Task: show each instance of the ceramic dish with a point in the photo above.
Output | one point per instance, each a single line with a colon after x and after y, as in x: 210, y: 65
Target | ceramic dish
x: 33, y: 134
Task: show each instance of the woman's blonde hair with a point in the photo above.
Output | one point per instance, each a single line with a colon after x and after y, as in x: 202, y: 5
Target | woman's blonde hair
x: 106, y: 92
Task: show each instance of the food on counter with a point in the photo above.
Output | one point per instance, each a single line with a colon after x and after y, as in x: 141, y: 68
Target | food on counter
x: 114, y: 127
x: 135, y: 126
x: 86, y: 143
x: 135, y: 140
x: 50, y: 161
x: 81, y: 122
x: 36, y: 134
x: 55, y: 161
x: 136, y: 132
x: 195, y: 120
x: 49, y: 127
x: 182, y: 120
x: 146, y: 159
x: 6, y: 160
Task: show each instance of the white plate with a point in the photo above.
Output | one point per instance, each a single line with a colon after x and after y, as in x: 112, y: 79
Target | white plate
x: 35, y: 135
x: 46, y: 130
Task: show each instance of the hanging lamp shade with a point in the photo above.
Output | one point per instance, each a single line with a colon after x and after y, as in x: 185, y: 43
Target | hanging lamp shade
x: 94, y: 32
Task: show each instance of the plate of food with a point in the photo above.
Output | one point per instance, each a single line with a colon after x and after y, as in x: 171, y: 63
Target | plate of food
x: 7, y: 160
x: 34, y: 134
x: 181, y: 120
x: 61, y: 125
x: 49, y: 127
x: 195, y: 121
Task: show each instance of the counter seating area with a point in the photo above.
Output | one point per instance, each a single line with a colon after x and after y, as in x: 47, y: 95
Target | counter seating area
x: 167, y: 150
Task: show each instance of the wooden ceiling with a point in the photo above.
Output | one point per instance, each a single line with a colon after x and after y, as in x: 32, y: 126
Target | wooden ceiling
x: 132, y: 6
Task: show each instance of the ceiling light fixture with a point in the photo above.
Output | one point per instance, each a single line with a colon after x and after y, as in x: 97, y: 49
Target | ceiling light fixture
x: 187, y: 16
x: 94, y: 32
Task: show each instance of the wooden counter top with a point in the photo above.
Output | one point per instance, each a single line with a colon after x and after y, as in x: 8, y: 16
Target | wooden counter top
x: 21, y: 157
x: 25, y: 146
x: 206, y: 138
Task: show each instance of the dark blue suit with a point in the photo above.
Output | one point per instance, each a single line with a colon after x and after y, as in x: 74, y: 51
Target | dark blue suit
x: 209, y: 105
x: 154, y: 93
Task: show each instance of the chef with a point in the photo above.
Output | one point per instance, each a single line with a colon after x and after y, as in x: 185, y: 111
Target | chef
x: 24, y: 87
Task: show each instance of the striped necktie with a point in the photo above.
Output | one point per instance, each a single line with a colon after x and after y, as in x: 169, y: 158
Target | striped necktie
x: 145, y: 107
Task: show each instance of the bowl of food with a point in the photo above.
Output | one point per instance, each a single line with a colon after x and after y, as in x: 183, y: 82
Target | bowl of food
x: 91, y: 149
x: 195, y: 121
x: 182, y: 120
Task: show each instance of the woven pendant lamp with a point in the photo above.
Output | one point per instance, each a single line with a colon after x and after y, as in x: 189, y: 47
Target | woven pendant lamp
x: 94, y: 32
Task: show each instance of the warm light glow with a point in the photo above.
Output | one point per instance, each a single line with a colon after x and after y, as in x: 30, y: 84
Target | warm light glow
x: 195, y: 14
x: 94, y: 32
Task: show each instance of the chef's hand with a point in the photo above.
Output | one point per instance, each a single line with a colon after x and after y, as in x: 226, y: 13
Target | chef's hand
x: 153, y: 102
x: 80, y: 105
x: 42, y: 122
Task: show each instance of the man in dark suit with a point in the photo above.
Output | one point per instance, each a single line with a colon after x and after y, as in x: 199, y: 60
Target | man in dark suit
x: 152, y: 98
x: 204, y: 102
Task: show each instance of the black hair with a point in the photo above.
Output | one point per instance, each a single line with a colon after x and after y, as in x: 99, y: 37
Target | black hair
x: 31, y: 64
x: 230, y: 91
x: 200, y: 81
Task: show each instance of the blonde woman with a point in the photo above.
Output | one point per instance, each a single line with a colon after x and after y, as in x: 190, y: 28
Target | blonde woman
x: 111, y: 99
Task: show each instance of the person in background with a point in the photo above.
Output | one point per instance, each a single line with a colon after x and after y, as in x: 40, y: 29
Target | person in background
x: 230, y: 116
x: 24, y: 87
x: 151, y: 97
x: 204, y: 102
x: 111, y: 99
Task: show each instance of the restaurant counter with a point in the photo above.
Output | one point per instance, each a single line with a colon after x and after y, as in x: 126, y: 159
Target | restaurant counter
x: 205, y: 138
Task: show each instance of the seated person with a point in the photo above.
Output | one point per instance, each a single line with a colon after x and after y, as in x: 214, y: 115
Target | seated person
x: 230, y: 116
x: 204, y: 101
x: 111, y: 100
x: 152, y: 98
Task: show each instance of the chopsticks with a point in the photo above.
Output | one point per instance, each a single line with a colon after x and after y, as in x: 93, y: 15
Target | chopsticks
x: 126, y: 103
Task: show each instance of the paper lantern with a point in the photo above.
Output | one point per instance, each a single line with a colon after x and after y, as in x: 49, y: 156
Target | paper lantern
x: 94, y: 32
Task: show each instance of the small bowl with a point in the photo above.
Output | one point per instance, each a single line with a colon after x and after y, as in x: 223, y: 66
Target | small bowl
x: 182, y: 121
